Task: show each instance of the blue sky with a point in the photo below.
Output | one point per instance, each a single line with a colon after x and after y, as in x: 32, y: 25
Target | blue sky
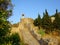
x: 31, y: 8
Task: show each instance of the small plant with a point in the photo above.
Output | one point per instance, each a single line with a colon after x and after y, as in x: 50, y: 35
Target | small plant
x: 42, y: 32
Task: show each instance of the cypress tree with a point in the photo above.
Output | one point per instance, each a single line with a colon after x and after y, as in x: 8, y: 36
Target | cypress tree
x: 56, y: 22
x: 37, y: 21
x: 46, y: 21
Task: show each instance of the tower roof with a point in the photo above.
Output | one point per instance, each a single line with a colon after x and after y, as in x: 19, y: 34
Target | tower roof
x: 22, y: 14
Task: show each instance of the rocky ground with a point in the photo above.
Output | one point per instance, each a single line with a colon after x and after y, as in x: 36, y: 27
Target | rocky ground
x: 51, y: 39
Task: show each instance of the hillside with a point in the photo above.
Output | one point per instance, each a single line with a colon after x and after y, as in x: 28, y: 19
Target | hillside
x: 28, y: 33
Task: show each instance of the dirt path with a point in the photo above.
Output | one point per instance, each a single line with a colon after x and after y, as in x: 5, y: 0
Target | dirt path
x: 28, y: 38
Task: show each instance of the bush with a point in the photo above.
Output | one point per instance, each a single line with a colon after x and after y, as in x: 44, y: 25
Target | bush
x: 15, y: 39
x: 41, y: 31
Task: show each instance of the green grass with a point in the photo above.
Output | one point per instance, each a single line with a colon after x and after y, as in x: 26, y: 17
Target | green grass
x: 41, y: 31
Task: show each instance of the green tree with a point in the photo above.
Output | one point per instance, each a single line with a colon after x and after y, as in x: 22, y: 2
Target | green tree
x: 37, y: 21
x: 5, y: 12
x: 46, y: 20
x: 56, y: 22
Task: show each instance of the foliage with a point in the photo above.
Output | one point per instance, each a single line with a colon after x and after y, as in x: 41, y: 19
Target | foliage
x: 41, y: 31
x: 56, y: 22
x: 5, y: 8
x: 37, y: 21
x: 5, y: 12
x: 15, y: 39
x: 46, y: 22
